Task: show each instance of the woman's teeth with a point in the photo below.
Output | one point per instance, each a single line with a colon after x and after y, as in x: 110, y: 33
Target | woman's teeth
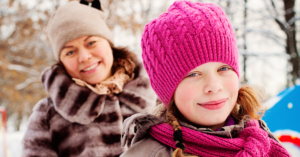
x: 91, y: 67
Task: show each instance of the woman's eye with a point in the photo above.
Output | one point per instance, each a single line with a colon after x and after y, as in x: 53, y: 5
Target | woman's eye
x: 69, y: 53
x: 91, y: 43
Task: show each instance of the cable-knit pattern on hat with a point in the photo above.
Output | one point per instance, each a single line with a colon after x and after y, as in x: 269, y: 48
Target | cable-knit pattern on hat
x: 188, y: 35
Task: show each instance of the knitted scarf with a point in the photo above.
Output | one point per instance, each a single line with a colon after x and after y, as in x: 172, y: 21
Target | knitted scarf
x: 252, y: 141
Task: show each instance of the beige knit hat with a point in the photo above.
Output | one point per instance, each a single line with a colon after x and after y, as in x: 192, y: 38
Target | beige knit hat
x: 74, y: 20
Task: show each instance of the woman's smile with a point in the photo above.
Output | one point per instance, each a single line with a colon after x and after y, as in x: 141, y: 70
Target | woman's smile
x: 91, y: 69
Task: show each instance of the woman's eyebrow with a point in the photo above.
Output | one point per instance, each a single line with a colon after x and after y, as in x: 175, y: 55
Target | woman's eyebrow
x: 67, y: 47
x: 73, y: 46
x: 87, y: 38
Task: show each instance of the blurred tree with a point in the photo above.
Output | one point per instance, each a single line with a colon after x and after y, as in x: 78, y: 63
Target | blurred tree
x: 127, y: 19
x: 24, y: 53
x: 245, y: 42
x: 267, y: 30
x: 288, y: 26
x: 25, y: 50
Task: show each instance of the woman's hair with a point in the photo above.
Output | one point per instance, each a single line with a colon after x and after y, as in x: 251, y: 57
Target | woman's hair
x: 122, y: 53
x: 118, y: 53
x: 249, y: 105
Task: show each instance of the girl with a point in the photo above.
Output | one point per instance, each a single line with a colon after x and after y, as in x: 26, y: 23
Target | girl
x: 92, y: 88
x: 191, y: 57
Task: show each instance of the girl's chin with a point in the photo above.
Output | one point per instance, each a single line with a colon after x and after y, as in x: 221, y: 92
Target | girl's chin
x: 210, y: 124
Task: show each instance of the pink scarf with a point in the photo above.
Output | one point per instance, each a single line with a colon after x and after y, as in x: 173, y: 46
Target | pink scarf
x: 251, y: 142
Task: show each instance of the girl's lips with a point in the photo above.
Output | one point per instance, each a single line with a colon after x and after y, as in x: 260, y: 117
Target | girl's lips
x: 214, y: 105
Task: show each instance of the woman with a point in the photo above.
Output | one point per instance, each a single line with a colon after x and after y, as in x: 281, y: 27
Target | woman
x: 92, y: 88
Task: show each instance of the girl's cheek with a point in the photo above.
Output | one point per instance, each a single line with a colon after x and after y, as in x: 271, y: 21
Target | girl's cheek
x: 232, y: 86
x: 185, y: 93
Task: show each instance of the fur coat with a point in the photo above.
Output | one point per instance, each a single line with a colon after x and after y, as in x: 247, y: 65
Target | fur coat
x: 75, y: 121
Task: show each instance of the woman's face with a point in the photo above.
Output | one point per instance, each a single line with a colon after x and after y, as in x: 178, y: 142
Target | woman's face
x: 207, y: 94
x: 88, y: 58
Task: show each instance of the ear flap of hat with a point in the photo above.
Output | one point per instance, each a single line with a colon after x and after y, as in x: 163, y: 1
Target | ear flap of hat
x: 95, y: 4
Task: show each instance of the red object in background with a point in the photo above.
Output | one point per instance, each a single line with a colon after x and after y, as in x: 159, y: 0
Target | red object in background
x: 291, y: 139
x: 3, y: 113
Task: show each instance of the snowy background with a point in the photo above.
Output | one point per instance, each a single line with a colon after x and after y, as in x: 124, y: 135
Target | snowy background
x: 25, y: 51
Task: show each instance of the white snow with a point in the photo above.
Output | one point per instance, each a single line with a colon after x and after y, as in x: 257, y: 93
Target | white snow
x: 292, y: 149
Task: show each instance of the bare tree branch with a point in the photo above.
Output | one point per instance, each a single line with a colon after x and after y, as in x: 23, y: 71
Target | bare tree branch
x: 281, y: 25
x: 27, y: 82
x: 265, y: 33
x: 262, y: 54
x: 274, y: 7
x: 21, y: 68
x: 268, y: 8
x: 293, y: 20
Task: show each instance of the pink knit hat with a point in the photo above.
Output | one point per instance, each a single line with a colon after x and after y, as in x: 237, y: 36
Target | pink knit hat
x: 188, y: 35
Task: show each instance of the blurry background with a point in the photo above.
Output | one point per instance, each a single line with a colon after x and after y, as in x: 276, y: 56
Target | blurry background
x: 267, y: 31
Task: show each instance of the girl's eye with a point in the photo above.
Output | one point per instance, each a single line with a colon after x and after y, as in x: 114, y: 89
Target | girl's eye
x: 91, y: 43
x: 224, y: 69
x: 192, y: 75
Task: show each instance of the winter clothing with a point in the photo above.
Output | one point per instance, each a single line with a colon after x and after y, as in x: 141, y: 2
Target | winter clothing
x: 188, y: 35
x: 246, y: 138
x: 208, y: 145
x: 74, y: 20
x: 75, y: 121
x: 229, y: 121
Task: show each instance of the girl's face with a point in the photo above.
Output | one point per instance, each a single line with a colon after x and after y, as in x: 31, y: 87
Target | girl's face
x: 88, y: 58
x: 207, y: 94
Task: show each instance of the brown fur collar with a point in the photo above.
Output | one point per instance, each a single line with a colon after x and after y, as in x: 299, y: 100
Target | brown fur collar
x: 80, y: 104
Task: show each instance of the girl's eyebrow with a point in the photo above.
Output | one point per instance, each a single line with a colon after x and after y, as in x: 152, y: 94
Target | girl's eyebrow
x: 225, y: 65
x: 192, y: 72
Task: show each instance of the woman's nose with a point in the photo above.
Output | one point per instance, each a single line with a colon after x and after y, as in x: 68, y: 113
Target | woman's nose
x: 212, y: 85
x: 84, y: 55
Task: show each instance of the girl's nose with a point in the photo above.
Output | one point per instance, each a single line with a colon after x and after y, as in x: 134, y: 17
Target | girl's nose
x: 84, y: 55
x: 212, y: 85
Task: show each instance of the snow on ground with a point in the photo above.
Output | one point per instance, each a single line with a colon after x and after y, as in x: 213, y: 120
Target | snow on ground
x: 292, y: 149
x: 13, y: 144
x: 13, y: 139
